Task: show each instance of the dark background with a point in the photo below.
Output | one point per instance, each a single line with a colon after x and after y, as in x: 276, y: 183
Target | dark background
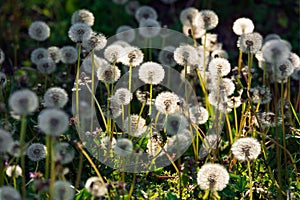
x: 269, y: 16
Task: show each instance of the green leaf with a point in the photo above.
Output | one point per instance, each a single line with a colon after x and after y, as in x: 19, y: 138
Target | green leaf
x: 83, y: 195
x: 171, y: 196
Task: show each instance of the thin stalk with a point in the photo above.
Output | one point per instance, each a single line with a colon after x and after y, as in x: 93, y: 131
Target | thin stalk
x: 79, y: 172
x: 229, y: 128
x: 250, y: 59
x: 235, y: 121
x: 283, y: 131
x: 77, y: 87
x: 52, y: 168
x: 250, y: 179
x: 93, y: 91
x: 240, y: 61
x: 150, y: 105
x: 22, y: 144
x: 79, y: 146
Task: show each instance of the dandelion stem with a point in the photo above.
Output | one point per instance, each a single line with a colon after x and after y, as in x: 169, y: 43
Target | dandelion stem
x: 283, y: 130
x: 250, y: 179
x: 229, y: 128
x: 79, y: 172
x: 77, y: 87
x: 150, y: 99
x: 79, y: 146
x: 22, y: 144
x: 240, y: 61
x: 52, y: 168
x: 93, y: 90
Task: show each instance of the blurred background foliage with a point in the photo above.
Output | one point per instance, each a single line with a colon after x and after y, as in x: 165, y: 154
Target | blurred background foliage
x: 269, y: 16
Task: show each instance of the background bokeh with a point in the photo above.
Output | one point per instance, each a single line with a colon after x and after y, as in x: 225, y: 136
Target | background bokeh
x: 269, y: 16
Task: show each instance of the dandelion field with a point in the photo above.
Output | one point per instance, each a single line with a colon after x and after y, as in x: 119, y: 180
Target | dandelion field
x: 165, y: 99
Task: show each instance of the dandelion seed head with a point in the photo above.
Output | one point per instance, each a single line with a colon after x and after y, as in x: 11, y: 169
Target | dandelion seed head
x: 207, y: 19
x: 212, y: 176
x: 13, y: 171
x: 89, y: 61
x: 268, y: 119
x: 5, y: 141
x: 108, y: 74
x: 185, y: 55
x: 271, y: 36
x: 53, y: 122
x: 166, y: 102
x: 68, y: 54
x: 124, y: 147
x: 175, y: 124
x: 145, y: 12
x: 78, y: 30
x: 54, y: 53
x: 46, y: 66
x: 219, y: 67
x: 198, y: 114
x: 294, y: 59
x: 36, y: 152
x: 3, y: 80
x: 261, y: 94
x: 93, y: 41
x: 243, y: 26
x: 250, y: 42
x: 125, y: 33
x: 83, y: 16
x: 63, y: 153
x: 166, y: 56
x: 151, y: 73
x: 188, y: 16
x: 196, y: 30
x: 131, y: 56
x: 23, y: 102
x: 38, y: 54
x: 55, y: 97
x: 220, y: 101
x: 276, y: 51
x: 123, y: 95
x: 247, y: 148
x: 8, y: 192
x: 39, y: 31
x: 149, y: 28
x: 234, y: 101
x: 219, y: 53
x: 95, y: 187
x: 178, y: 143
x: 284, y: 70
x: 131, y: 7
x: 115, y: 107
x: 113, y: 53
x: 14, y: 149
x: 137, y: 125
x: 62, y: 190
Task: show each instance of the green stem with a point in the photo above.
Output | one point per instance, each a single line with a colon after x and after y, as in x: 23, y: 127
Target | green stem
x: 22, y: 144
x: 93, y: 91
x: 48, y: 156
x: 250, y: 179
x: 52, y: 169
x: 283, y: 131
x: 150, y: 105
x: 240, y: 62
x: 77, y: 87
